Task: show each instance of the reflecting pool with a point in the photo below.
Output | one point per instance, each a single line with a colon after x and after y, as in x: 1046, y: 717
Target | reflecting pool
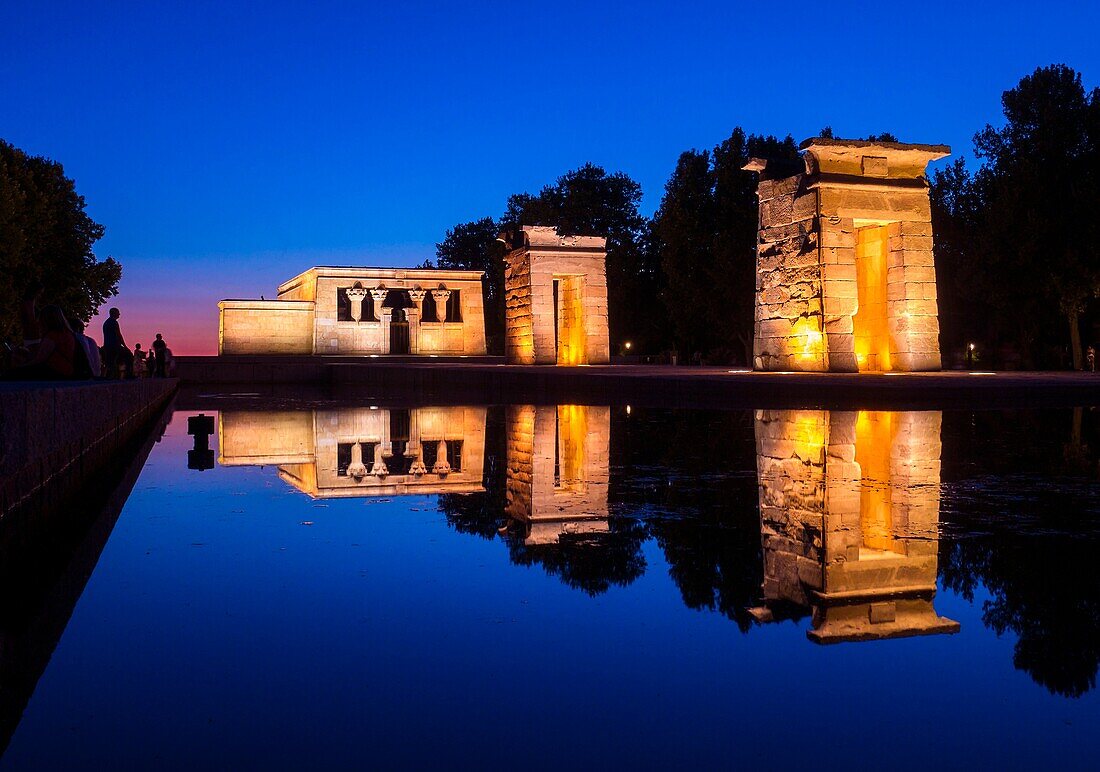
x: 568, y: 585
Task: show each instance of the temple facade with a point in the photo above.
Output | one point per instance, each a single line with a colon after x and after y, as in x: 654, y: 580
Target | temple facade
x: 845, y: 279
x: 361, y: 311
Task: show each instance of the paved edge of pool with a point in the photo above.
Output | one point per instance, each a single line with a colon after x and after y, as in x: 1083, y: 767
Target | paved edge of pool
x: 56, y: 436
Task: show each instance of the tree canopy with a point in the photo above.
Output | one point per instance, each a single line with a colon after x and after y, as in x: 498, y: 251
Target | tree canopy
x: 590, y: 201
x: 704, y: 236
x: 1015, y: 239
x: 47, y: 237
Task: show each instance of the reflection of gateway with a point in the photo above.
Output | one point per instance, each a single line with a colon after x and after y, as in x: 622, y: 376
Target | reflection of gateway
x: 361, y: 451
x: 849, y: 509
x: 557, y: 470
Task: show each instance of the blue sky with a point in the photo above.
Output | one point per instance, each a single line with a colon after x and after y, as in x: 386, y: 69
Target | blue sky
x: 227, y: 146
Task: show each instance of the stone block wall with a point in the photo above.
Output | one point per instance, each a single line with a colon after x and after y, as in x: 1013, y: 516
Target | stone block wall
x: 55, y: 437
x: 853, y: 228
x: 265, y: 327
x: 519, y: 310
x: 789, y: 280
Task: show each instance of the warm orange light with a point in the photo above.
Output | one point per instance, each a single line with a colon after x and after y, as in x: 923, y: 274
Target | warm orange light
x: 870, y: 327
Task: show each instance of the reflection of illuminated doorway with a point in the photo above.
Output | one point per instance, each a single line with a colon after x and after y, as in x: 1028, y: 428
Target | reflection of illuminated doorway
x: 569, y: 335
x: 870, y: 327
x: 874, y: 440
x: 570, y: 432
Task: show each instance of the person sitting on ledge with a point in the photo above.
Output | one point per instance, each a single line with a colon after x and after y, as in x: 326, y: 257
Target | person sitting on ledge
x: 91, y: 348
x: 54, y: 358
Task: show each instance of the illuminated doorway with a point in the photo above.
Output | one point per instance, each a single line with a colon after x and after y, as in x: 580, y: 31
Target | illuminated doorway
x: 569, y: 333
x: 869, y: 324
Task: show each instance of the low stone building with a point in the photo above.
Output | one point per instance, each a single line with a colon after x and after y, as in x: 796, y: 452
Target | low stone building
x: 845, y: 280
x: 361, y: 311
x: 361, y: 452
x: 849, y: 519
x: 555, y: 298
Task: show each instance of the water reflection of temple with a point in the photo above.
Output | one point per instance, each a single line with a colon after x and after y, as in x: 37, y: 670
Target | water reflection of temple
x: 849, y: 510
x: 351, y: 452
x: 558, y: 470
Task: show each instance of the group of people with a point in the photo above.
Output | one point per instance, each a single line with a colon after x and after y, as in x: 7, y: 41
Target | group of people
x: 56, y: 348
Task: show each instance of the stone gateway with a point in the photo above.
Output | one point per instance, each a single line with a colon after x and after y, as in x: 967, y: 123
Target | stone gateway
x: 845, y: 280
x: 555, y: 298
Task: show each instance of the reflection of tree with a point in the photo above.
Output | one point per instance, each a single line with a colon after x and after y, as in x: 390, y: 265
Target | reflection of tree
x: 715, y: 564
x: 1038, y: 564
x: 482, y: 514
x: 692, y: 474
x: 1046, y: 590
x: 592, y: 562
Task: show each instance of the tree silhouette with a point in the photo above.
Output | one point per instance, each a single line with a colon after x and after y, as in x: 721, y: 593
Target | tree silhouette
x: 704, y: 235
x: 46, y: 237
x: 1017, y: 239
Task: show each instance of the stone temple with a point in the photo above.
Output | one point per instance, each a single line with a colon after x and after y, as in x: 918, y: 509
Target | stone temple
x: 845, y: 280
x: 361, y: 311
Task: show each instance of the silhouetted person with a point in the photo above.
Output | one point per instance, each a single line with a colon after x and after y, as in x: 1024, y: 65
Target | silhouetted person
x: 115, y: 351
x: 1090, y: 359
x: 54, y: 357
x: 140, y: 365
x: 28, y: 315
x: 160, y: 352
x: 90, y: 347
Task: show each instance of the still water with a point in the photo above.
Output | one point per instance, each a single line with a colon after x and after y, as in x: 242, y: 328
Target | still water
x: 571, y: 586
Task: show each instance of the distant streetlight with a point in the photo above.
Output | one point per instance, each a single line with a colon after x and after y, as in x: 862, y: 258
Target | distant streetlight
x: 627, y: 345
x: 969, y: 354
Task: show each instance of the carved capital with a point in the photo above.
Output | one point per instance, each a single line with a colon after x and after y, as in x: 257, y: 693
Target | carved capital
x: 441, y: 296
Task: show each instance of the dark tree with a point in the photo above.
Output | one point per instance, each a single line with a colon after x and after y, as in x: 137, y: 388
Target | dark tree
x: 1040, y: 186
x: 590, y: 201
x: 704, y: 234
x: 472, y: 246
x: 683, y: 236
x: 46, y: 236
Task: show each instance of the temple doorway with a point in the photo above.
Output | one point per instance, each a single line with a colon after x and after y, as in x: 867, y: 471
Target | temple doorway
x: 569, y: 335
x: 399, y: 332
x: 870, y: 326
